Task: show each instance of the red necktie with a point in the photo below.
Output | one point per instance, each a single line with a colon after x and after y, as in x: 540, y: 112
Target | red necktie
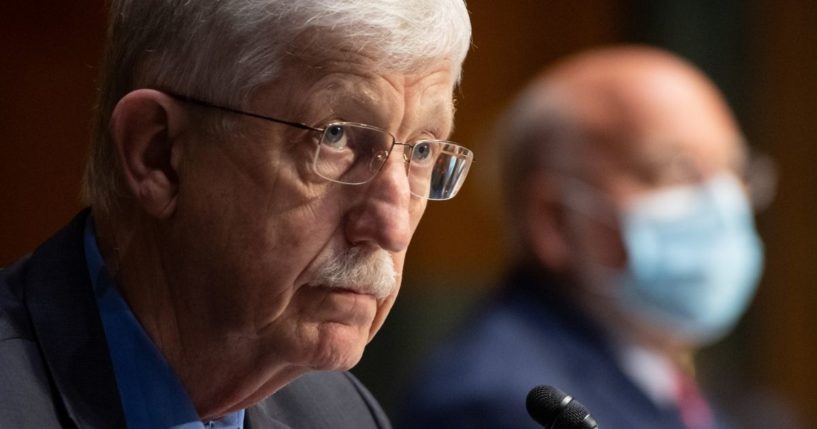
x: 695, y: 412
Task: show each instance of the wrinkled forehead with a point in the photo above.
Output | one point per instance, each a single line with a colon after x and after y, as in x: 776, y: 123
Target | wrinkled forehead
x: 359, y: 86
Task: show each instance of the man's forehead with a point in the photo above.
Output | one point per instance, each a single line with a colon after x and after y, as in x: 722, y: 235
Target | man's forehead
x: 351, y: 88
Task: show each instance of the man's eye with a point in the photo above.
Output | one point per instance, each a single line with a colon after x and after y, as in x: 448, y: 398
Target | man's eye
x: 335, y: 137
x: 422, y: 152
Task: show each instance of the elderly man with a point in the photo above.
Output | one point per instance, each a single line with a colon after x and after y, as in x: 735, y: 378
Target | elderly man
x: 635, y: 246
x: 258, y: 170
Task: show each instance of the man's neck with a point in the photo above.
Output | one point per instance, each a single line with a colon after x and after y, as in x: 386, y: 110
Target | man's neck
x: 212, y: 365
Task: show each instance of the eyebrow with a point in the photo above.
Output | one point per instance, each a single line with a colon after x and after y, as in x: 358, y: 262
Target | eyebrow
x: 354, y: 101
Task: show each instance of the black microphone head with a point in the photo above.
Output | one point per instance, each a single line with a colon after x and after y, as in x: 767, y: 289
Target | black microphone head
x: 544, y: 403
x: 555, y: 409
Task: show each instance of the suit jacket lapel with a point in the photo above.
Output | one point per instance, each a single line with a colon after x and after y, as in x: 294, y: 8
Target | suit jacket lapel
x: 66, y: 321
x: 258, y: 417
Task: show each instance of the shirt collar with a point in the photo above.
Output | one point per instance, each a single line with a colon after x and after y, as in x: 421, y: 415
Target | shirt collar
x: 151, y: 393
x: 652, y: 372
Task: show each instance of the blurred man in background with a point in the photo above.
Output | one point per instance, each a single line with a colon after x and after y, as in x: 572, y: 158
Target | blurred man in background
x: 623, y: 170
x: 258, y: 170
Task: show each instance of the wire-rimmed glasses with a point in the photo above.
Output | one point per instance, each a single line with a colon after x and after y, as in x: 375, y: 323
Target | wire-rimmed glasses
x: 352, y: 153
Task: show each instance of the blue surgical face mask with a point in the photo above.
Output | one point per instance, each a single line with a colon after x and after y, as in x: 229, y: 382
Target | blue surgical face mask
x: 693, y: 258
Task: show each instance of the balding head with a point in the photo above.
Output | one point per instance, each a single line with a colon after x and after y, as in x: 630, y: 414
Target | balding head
x: 623, y: 119
x: 592, y: 140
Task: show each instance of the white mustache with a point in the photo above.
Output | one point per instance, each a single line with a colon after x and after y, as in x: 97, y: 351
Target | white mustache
x: 361, y: 269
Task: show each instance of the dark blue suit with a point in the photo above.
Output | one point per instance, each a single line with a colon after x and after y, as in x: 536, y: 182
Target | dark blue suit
x: 55, y: 370
x: 524, y: 338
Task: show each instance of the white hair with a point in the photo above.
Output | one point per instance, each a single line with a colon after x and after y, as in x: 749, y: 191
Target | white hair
x: 224, y: 50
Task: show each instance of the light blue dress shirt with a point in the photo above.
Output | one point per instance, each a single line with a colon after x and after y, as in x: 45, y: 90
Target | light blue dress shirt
x: 152, y: 396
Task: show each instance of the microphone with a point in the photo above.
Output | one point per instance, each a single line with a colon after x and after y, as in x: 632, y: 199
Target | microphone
x: 555, y: 409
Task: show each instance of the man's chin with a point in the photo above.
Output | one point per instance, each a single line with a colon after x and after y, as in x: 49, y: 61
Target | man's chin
x: 340, y: 347
x: 336, y: 361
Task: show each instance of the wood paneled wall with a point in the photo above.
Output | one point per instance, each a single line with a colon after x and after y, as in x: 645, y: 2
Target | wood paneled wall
x: 783, y: 76
x: 48, y: 64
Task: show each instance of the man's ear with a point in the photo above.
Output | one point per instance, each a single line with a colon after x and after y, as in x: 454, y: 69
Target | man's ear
x: 545, y: 222
x: 144, y: 126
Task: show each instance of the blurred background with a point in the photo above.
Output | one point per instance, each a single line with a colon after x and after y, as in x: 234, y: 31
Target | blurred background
x: 762, y: 54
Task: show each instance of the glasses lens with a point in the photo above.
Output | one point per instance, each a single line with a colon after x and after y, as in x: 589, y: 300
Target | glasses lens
x: 437, y: 169
x: 351, y: 153
x: 354, y: 153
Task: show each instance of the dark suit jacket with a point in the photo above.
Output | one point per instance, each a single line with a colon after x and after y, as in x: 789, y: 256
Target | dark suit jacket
x: 524, y: 338
x: 55, y: 370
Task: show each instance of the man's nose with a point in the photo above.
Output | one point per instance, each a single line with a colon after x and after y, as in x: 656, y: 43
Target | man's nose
x: 383, y: 213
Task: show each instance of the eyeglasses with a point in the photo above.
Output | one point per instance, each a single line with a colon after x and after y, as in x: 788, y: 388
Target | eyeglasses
x: 352, y: 154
